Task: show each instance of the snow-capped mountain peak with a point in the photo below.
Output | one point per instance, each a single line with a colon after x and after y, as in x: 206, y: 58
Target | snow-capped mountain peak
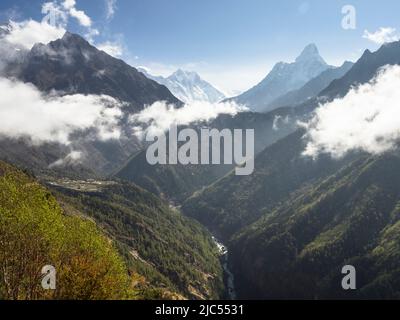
x: 182, y: 74
x: 188, y: 86
x: 283, y: 78
x: 310, y: 53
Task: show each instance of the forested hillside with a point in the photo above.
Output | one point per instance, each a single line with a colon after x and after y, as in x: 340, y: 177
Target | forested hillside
x: 114, y: 242
x: 35, y: 232
x: 178, y: 182
x: 169, y: 249
x: 236, y: 201
x: 298, y: 248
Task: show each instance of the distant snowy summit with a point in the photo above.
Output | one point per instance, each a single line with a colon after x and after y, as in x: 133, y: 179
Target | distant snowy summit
x: 283, y: 78
x: 188, y: 86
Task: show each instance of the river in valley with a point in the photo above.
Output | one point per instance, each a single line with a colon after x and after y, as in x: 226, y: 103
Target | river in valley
x: 229, y: 279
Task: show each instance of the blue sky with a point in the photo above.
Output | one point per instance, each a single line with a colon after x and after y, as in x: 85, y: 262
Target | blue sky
x: 231, y: 43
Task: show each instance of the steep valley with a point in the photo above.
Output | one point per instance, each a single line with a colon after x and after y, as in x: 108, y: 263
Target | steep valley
x: 199, y: 231
x: 170, y: 250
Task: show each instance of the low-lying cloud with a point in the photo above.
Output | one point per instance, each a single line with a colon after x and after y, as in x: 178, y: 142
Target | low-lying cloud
x: 159, y: 117
x: 26, y: 113
x: 366, y: 119
x: 27, y: 33
x: 382, y: 35
x: 72, y: 158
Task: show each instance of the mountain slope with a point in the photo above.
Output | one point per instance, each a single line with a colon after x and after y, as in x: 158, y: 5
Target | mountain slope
x: 297, y: 250
x: 157, y: 241
x: 311, y: 88
x: 283, y: 78
x: 364, y: 69
x: 295, y: 222
x: 188, y: 86
x: 236, y: 201
x: 178, y: 182
x: 35, y: 232
x: 71, y: 65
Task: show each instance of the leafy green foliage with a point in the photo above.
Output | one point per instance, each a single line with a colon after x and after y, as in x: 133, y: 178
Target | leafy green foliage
x: 34, y: 232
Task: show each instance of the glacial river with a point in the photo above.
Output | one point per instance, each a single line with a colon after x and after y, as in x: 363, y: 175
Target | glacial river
x: 228, y: 275
x: 229, y: 279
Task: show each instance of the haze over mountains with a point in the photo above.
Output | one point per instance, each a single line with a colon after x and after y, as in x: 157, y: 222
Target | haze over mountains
x: 288, y: 227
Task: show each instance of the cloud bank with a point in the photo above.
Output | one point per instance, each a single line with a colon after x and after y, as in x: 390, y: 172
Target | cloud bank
x: 367, y: 119
x: 382, y: 35
x: 157, y: 118
x: 58, y: 13
x: 26, y: 113
x: 25, y: 34
x: 71, y: 158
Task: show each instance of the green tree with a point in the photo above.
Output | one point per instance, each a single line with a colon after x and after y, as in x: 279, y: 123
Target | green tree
x: 34, y: 232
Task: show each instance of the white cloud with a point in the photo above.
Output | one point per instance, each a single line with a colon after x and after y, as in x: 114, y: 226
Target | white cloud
x: 158, y: 117
x: 279, y: 122
x: 27, y: 33
x: 54, y: 14
x: 111, y: 6
x: 145, y: 69
x: 71, y: 158
x: 25, y: 112
x: 382, y: 35
x: 80, y: 15
x: 91, y: 34
x: 67, y: 9
x: 112, y: 48
x: 367, y: 119
x: 69, y: 4
x: 58, y: 12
